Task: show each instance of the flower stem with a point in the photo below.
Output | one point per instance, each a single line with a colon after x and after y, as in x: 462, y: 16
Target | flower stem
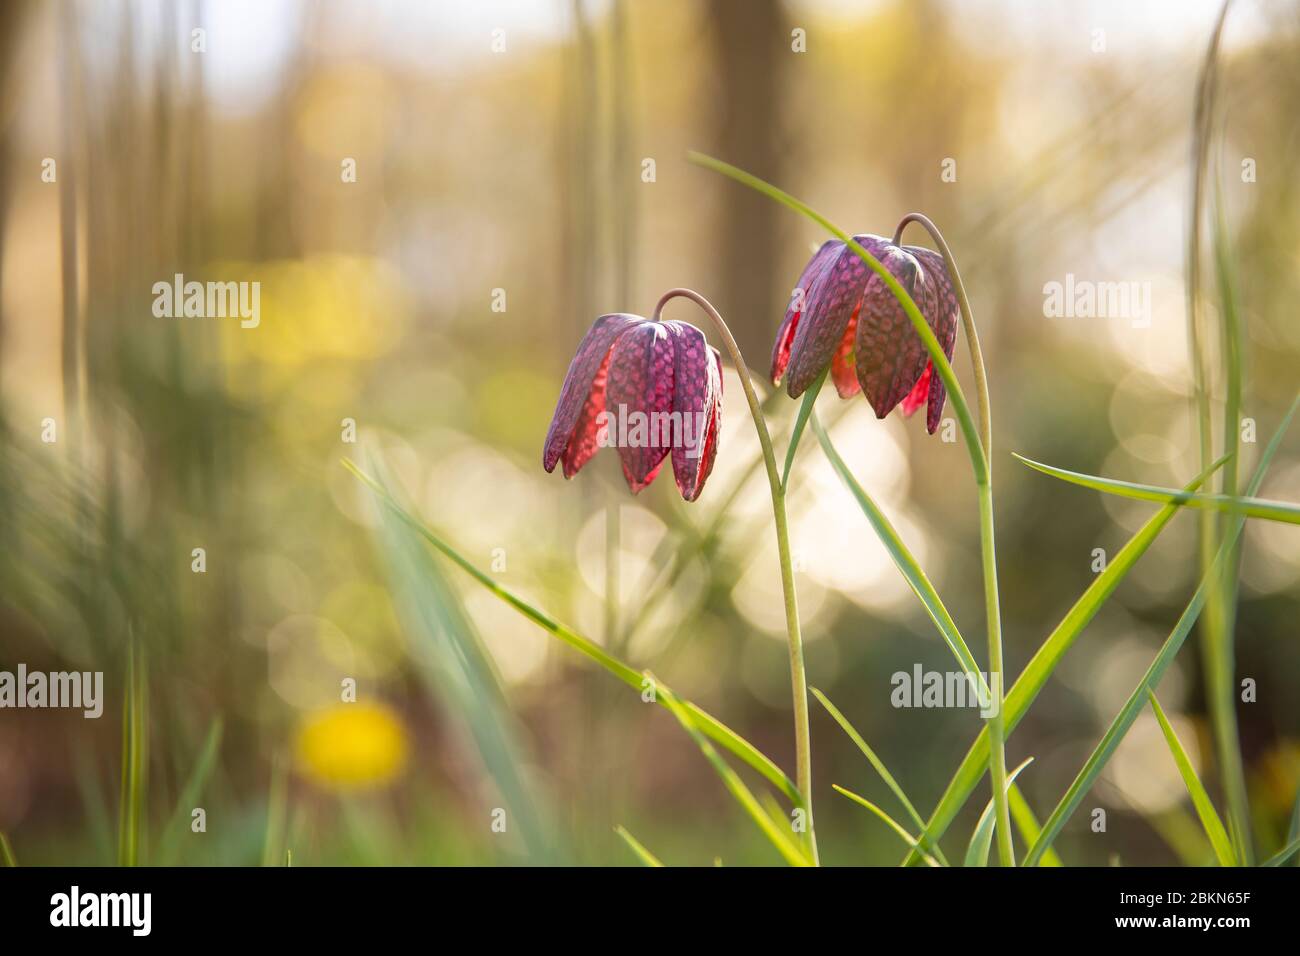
x: 798, y: 678
x: 988, y: 553
x: 967, y: 322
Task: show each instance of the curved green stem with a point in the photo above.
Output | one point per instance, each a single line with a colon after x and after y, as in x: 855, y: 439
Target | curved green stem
x: 798, y: 678
x: 988, y: 553
x: 967, y: 324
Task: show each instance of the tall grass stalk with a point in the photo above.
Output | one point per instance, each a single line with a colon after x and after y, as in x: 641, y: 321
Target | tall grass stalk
x: 1217, y: 623
x: 134, y: 748
x: 798, y: 674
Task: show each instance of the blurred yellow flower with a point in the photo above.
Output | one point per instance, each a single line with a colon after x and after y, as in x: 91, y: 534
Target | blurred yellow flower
x: 353, y: 746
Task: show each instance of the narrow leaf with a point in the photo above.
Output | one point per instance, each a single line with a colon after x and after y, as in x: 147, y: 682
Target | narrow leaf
x: 1040, y: 667
x: 903, y: 559
x: 977, y: 853
x: 1200, y: 799
x: 1245, y: 506
x: 876, y: 762
x: 793, y: 853
x: 890, y: 821
x: 1124, y: 719
x: 645, y: 856
x: 1023, y: 815
x: 801, y: 420
x: 710, y: 725
x: 190, y: 794
x: 1288, y: 851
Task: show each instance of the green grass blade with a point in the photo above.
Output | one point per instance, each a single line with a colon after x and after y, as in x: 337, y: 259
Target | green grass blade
x: 1200, y: 799
x: 1027, y: 823
x: 190, y: 793
x: 890, y: 821
x: 1040, y: 667
x: 785, y: 844
x: 881, y: 769
x: 1288, y: 851
x: 1219, y: 618
x: 903, y: 558
x: 458, y: 671
x: 1124, y: 720
x: 713, y: 728
x: 645, y: 856
x: 977, y: 852
x: 7, y: 857
x: 800, y: 421
x: 1243, y: 506
x: 134, y: 744
x: 277, y: 810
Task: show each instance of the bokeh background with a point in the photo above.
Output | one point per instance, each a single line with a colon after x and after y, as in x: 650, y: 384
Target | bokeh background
x: 500, y: 151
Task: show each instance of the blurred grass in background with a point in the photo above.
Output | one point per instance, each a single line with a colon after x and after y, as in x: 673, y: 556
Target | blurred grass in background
x: 522, y: 171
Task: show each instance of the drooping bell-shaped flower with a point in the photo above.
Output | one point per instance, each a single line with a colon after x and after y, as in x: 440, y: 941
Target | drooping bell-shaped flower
x: 842, y: 315
x: 651, y: 389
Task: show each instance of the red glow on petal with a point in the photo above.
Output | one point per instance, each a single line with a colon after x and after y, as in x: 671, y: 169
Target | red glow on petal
x: 920, y: 393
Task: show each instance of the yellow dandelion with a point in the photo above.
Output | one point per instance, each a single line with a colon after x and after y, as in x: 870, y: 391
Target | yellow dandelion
x: 353, y: 746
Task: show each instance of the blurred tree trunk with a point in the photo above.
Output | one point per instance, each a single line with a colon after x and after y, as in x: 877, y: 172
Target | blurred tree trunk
x: 11, y: 15
x: 751, y: 44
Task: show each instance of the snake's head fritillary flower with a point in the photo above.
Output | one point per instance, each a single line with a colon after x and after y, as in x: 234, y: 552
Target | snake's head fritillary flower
x: 650, y: 389
x: 843, y: 315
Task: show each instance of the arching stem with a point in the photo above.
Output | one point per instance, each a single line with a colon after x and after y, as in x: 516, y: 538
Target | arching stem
x: 798, y: 679
x: 984, y: 487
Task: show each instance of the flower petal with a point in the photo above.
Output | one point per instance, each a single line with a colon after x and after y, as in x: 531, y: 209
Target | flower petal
x: 799, y: 297
x: 843, y: 372
x: 578, y: 381
x: 695, y: 394
x: 943, y: 319
x: 640, y: 394
x: 919, y: 393
x: 834, y: 298
x: 890, y: 355
x: 585, y: 440
x: 715, y: 426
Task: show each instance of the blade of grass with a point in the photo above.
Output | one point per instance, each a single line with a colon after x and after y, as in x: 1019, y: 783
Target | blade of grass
x: 1214, y: 829
x: 1246, y: 506
x: 645, y: 856
x: 1040, y: 667
x: 800, y: 421
x: 793, y: 853
x: 460, y: 673
x: 881, y: 769
x: 190, y: 793
x: 134, y: 742
x: 1124, y: 720
x: 903, y: 559
x: 1288, y: 851
x: 7, y: 857
x: 1218, y: 621
x: 277, y: 810
x: 977, y: 852
x: 708, y: 724
x: 890, y: 821
x: 1022, y: 814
